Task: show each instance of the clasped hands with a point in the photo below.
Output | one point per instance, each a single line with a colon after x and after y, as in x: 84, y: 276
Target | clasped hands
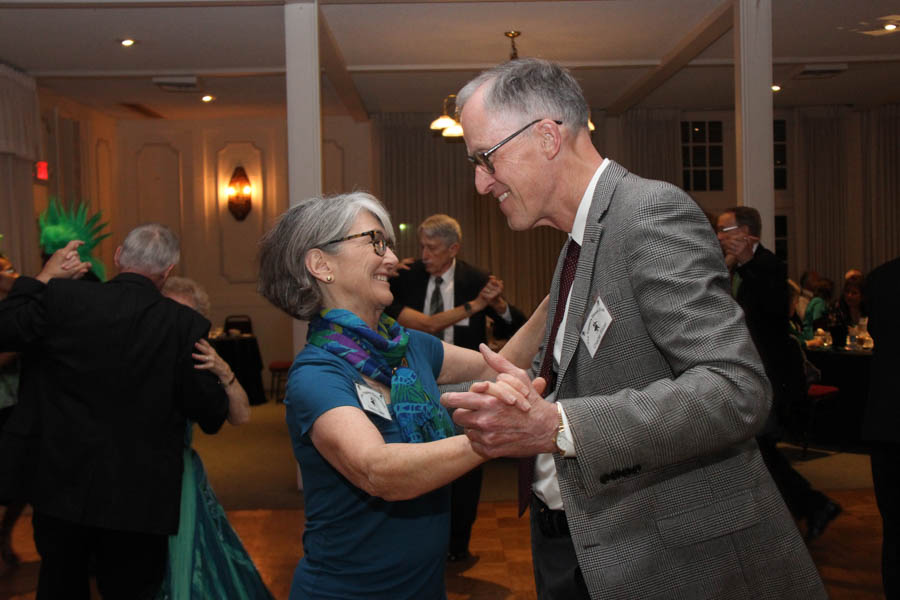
x: 506, y: 417
x: 492, y: 294
x: 65, y: 263
x: 738, y: 249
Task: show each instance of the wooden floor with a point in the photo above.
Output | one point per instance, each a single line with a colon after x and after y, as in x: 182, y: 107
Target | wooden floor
x: 848, y: 555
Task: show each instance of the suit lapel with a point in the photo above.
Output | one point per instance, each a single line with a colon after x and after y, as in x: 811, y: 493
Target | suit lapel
x: 584, y: 274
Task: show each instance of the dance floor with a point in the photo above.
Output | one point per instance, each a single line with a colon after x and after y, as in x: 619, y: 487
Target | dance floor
x: 253, y: 474
x: 847, y: 555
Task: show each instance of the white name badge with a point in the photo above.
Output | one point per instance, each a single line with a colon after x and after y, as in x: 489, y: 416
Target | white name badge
x: 595, y: 327
x: 372, y: 401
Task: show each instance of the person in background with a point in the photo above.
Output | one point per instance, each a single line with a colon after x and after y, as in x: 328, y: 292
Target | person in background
x: 881, y: 423
x: 849, y: 308
x: 760, y: 286
x: 59, y: 226
x: 647, y: 481
x: 9, y: 391
x: 816, y: 314
x: 111, y: 386
x: 807, y: 284
x: 438, y: 280
x: 376, y: 449
x: 206, y: 556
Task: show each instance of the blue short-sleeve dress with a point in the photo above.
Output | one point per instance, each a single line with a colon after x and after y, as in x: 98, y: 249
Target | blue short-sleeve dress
x: 356, y: 545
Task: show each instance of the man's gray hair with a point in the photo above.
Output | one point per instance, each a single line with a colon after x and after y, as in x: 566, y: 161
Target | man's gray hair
x: 283, y: 278
x: 190, y: 289
x: 149, y: 249
x: 533, y: 88
x: 442, y: 227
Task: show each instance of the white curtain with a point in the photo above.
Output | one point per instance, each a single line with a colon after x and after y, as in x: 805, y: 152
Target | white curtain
x: 19, y: 147
x: 880, y: 140
x: 821, y: 188
x: 420, y: 174
x: 650, y: 143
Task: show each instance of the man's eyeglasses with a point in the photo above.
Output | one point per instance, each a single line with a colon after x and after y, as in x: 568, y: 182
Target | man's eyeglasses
x: 379, y: 242
x: 483, y: 159
x: 726, y: 229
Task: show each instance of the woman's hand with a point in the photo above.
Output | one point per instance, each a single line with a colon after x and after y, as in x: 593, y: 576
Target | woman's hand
x: 211, y: 361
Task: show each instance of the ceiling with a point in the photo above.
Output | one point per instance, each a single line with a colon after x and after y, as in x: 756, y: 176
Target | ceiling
x: 402, y: 56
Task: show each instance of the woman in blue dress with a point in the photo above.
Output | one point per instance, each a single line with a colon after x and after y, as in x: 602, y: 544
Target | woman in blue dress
x: 376, y: 448
x: 206, y: 557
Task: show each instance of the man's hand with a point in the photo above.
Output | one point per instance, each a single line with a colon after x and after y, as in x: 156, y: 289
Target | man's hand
x: 402, y: 265
x: 507, y: 417
x: 738, y: 246
x: 64, y: 264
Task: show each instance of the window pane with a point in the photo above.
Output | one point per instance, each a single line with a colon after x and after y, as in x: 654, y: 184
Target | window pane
x: 715, y: 156
x: 685, y: 156
x: 715, y: 132
x: 716, y: 180
x: 685, y: 132
x: 780, y: 226
x: 780, y: 131
x: 698, y: 132
x: 686, y: 179
x: 780, y: 178
x: 780, y: 155
x: 699, y: 177
x: 698, y: 154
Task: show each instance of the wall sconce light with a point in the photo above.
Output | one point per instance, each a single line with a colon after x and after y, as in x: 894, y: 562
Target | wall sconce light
x: 239, y: 193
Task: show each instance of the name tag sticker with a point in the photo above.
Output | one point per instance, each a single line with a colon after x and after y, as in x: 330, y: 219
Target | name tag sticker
x: 595, y: 327
x: 372, y: 401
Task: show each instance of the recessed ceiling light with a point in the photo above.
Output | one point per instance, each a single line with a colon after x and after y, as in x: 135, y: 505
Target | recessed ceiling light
x: 776, y: 87
x: 127, y: 43
x: 208, y: 98
x: 890, y: 27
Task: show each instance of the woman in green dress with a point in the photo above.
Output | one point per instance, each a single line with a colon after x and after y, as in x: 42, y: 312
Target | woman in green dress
x: 206, y: 557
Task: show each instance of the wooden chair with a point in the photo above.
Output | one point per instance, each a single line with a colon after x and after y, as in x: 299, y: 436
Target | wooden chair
x: 240, y: 322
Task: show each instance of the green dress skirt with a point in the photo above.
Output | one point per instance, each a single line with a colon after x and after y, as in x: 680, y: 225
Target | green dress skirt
x: 206, y: 556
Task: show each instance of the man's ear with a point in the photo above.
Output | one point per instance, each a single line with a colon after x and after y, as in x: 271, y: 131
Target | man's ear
x: 453, y: 249
x: 116, y: 258
x: 317, y: 264
x: 551, y: 138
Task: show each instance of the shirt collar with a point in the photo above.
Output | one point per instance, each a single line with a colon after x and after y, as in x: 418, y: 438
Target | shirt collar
x: 584, y: 207
x: 448, y: 274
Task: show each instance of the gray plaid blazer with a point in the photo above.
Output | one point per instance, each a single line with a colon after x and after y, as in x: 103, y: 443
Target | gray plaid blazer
x: 668, y: 496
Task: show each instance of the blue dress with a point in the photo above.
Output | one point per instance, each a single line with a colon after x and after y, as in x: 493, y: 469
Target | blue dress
x: 206, y: 557
x: 356, y: 545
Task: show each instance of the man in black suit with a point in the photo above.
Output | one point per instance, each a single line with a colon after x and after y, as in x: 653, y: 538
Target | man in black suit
x: 108, y: 384
x: 881, y: 425
x: 759, y: 284
x: 437, y: 286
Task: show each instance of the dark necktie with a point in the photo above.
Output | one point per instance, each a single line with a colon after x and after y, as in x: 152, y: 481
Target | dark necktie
x: 437, y: 298
x: 570, y: 264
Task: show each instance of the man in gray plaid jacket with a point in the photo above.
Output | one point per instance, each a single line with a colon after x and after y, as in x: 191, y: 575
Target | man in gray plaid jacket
x: 647, y: 480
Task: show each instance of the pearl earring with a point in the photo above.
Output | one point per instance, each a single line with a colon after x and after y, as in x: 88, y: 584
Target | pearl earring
x: 329, y: 278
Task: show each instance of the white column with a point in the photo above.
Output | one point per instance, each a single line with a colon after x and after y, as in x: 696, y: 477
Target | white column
x: 301, y: 43
x: 753, y: 111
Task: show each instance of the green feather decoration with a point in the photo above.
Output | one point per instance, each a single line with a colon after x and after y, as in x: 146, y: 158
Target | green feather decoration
x: 60, y: 226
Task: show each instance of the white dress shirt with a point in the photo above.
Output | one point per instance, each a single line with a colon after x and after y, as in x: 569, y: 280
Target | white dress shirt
x: 546, y: 484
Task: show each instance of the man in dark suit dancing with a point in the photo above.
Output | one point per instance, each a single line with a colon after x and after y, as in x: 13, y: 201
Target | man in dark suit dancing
x: 647, y: 482
x: 432, y: 286
x: 881, y: 425
x: 759, y: 284
x: 108, y: 383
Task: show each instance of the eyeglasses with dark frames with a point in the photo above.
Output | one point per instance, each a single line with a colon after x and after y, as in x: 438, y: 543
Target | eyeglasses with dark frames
x: 379, y: 242
x: 483, y: 158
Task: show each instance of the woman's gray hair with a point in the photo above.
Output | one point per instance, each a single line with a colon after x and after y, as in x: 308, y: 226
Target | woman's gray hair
x: 533, y: 88
x: 150, y: 249
x: 443, y: 227
x: 188, y: 288
x: 283, y: 277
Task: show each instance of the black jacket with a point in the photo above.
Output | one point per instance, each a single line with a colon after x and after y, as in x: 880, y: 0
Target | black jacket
x: 409, y: 289
x: 882, y: 419
x: 107, y: 385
